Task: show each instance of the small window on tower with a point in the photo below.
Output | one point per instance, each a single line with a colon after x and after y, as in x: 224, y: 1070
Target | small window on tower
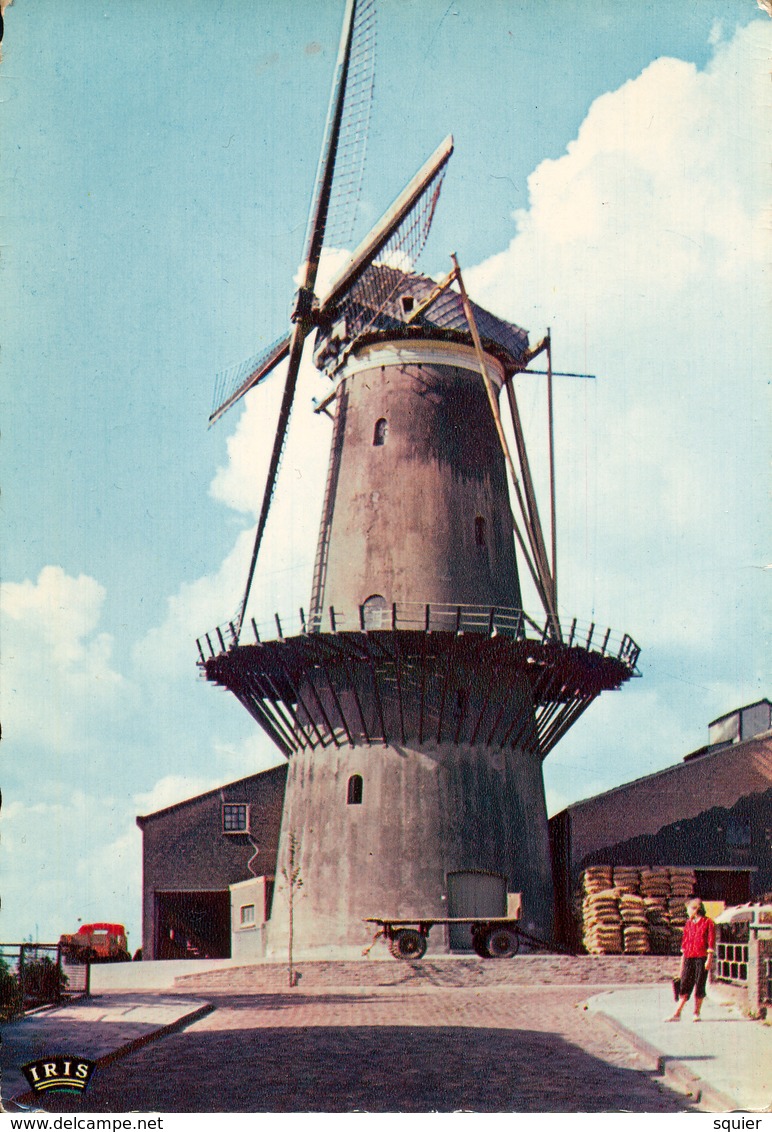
x: 354, y: 796
x: 381, y: 432
x: 247, y: 915
x: 479, y: 531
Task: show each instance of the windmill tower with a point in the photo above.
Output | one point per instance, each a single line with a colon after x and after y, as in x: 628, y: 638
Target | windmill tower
x: 415, y: 699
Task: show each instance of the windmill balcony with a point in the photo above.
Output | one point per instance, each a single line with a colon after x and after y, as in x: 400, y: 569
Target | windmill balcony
x: 434, y: 617
x: 417, y: 674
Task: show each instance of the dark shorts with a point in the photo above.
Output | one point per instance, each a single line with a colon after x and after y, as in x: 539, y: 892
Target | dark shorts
x: 694, y: 978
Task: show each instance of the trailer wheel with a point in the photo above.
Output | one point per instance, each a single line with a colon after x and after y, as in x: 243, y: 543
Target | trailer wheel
x: 480, y: 944
x: 407, y: 943
x: 501, y: 943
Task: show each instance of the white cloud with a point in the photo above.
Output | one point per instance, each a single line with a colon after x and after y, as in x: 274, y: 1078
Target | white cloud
x: 239, y: 484
x: 664, y: 188
x: 248, y: 756
x: 68, y: 854
x: 716, y: 32
x: 168, y: 651
x: 173, y: 788
x: 57, y: 666
x: 646, y: 247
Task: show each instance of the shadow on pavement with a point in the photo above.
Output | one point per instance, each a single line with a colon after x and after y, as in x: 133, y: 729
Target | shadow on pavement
x: 367, y: 1068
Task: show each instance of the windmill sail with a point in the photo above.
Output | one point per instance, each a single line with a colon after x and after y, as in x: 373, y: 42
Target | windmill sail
x: 339, y: 180
x: 399, y: 235
x: 356, y: 40
x: 371, y: 283
x: 354, y: 128
x: 232, y: 384
x: 402, y: 230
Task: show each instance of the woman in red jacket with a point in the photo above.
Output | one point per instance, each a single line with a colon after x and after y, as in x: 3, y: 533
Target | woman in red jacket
x: 698, y: 947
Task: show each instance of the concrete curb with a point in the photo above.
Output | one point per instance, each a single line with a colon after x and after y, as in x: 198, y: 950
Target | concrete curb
x: 30, y: 1097
x: 673, y: 1070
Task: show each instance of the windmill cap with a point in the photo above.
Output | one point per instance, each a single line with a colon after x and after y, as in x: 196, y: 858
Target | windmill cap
x: 381, y: 304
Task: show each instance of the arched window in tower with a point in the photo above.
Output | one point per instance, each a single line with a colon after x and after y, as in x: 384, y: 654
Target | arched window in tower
x: 375, y: 612
x: 354, y: 793
x: 381, y: 432
x: 479, y: 532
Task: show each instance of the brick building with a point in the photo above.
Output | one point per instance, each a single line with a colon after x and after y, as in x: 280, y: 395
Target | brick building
x: 194, y: 851
x: 711, y: 812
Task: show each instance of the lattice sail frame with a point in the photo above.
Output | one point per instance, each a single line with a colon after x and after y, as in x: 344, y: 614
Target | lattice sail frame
x: 229, y: 381
x: 338, y: 219
x: 352, y: 143
x: 376, y: 289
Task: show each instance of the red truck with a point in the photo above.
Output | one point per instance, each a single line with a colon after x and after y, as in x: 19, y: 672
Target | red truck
x: 96, y: 943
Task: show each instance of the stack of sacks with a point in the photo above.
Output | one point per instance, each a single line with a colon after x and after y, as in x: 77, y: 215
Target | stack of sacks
x: 657, y: 909
x: 660, y: 940
x: 597, y: 878
x: 627, y: 879
x: 682, y: 883
x: 655, y: 883
x: 638, y: 909
x: 635, y: 924
x: 678, y: 918
x: 602, y: 923
x: 658, y: 917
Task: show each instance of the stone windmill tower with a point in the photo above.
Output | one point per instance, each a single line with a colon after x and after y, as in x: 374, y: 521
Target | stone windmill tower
x: 415, y: 699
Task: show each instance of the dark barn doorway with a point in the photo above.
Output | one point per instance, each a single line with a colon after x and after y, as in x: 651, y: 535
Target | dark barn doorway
x: 733, y: 886
x: 193, y: 925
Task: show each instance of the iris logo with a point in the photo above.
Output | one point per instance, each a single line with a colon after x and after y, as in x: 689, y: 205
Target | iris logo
x: 59, y: 1074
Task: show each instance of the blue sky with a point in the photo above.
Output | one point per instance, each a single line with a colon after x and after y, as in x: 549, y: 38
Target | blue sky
x: 609, y: 181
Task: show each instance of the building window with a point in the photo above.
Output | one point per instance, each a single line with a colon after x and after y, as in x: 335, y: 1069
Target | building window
x: 376, y: 612
x: 354, y: 797
x: 381, y: 432
x: 247, y: 915
x: 738, y: 833
x: 235, y: 817
x: 479, y: 531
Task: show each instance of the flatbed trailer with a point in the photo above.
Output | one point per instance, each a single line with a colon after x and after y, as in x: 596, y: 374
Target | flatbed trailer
x: 493, y: 937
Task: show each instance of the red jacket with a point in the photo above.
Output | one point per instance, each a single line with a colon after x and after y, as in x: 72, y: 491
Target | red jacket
x: 699, y: 938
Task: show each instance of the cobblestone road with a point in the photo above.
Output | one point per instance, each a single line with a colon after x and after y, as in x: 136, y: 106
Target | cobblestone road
x: 493, y: 1049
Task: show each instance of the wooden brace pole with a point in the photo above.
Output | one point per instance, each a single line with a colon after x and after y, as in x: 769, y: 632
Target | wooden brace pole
x: 543, y: 583
x: 553, y: 509
x: 540, y: 551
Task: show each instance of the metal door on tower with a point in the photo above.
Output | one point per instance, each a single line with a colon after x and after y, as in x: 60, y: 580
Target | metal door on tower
x: 473, y: 894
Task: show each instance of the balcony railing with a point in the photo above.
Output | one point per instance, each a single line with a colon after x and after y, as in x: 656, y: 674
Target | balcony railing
x: 429, y: 618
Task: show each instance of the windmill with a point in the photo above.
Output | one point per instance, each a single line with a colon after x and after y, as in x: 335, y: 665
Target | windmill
x: 415, y: 698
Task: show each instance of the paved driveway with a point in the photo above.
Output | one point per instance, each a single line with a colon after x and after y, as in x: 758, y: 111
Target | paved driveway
x: 492, y: 1049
